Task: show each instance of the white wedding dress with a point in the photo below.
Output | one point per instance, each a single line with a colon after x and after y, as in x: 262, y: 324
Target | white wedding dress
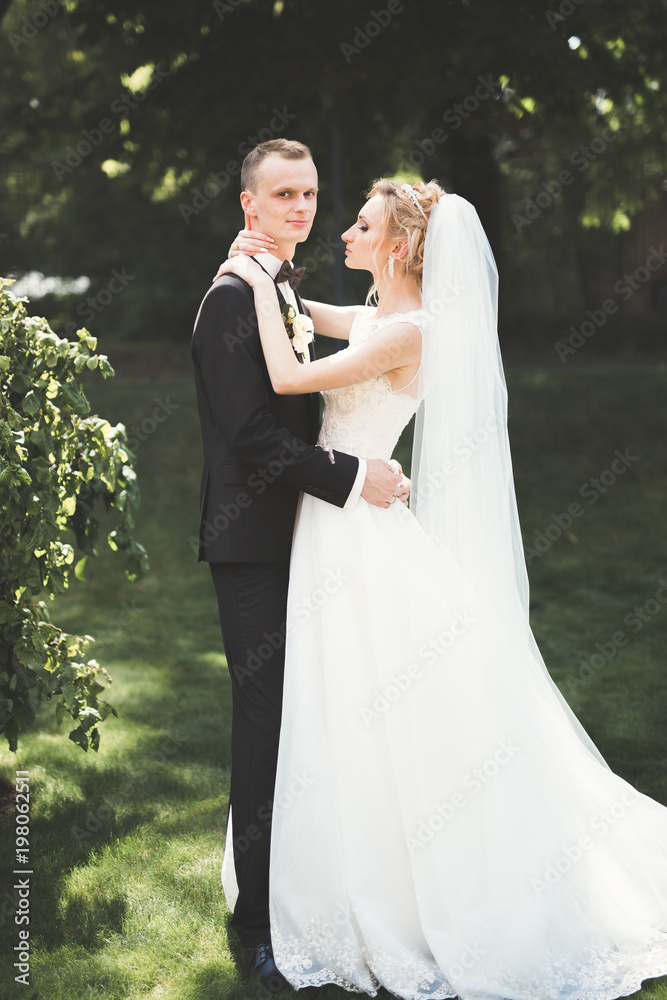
x: 442, y: 825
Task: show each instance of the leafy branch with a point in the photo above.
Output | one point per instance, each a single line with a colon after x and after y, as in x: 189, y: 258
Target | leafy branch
x: 57, y: 464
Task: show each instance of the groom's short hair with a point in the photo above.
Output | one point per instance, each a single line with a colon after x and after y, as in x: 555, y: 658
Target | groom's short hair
x: 289, y: 149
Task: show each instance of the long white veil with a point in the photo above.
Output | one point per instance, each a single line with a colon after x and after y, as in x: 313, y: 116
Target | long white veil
x: 462, y: 481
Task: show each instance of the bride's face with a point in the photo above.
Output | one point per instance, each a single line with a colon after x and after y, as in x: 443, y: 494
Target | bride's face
x: 368, y: 247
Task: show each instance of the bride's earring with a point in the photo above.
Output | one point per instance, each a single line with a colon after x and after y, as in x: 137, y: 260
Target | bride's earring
x: 391, y: 266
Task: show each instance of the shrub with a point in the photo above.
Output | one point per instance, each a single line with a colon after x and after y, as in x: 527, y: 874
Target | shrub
x: 58, y: 463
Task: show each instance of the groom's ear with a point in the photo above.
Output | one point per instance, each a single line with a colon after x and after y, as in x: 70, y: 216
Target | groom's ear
x: 248, y: 206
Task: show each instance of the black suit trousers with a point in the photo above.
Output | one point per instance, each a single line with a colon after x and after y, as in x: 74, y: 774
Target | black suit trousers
x: 252, y: 602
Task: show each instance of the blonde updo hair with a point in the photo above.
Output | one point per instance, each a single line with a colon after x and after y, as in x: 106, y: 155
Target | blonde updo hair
x: 402, y: 219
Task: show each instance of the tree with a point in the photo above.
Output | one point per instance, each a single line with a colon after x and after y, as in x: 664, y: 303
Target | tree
x: 57, y: 463
x: 186, y: 89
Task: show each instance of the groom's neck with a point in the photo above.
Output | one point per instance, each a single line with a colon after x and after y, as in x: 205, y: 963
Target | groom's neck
x: 285, y: 251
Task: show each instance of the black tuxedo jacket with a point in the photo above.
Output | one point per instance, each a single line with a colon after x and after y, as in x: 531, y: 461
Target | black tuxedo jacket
x: 259, y: 447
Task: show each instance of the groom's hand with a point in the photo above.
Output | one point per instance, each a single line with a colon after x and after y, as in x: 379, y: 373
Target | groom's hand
x: 381, y: 484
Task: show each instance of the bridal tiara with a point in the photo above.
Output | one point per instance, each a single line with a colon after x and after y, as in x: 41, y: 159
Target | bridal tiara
x: 410, y: 191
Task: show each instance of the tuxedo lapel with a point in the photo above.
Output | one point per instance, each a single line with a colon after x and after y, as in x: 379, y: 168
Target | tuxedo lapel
x: 302, y: 309
x: 314, y: 396
x: 281, y: 297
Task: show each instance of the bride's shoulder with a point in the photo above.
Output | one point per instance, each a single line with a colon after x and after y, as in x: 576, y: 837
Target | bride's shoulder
x: 403, y: 324
x: 364, y: 316
x: 414, y: 318
x: 365, y: 312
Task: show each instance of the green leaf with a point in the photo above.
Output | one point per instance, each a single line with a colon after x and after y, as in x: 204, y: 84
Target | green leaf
x: 81, y: 569
x: 79, y: 737
x: 38, y: 438
x: 106, y: 709
x: 13, y: 419
x: 31, y: 402
x: 118, y: 539
x: 89, y: 717
x: 68, y: 506
x: 72, y: 397
x: 20, y: 383
x: 7, y: 612
x: 87, y: 339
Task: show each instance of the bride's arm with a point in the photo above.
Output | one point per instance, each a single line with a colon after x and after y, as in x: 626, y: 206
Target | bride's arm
x: 330, y: 321
x: 333, y: 321
x: 397, y: 345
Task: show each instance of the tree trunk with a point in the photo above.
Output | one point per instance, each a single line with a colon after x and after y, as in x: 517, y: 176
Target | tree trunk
x: 475, y: 177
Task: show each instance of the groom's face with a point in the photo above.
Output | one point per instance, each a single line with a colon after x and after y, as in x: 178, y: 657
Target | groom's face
x: 284, y: 201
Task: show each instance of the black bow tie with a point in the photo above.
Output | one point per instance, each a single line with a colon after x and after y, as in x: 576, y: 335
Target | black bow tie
x: 292, y: 275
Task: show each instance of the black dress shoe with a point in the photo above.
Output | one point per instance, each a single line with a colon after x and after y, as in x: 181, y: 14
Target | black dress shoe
x: 262, y: 963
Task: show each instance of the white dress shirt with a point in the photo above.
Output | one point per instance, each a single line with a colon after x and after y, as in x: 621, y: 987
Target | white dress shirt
x: 272, y: 265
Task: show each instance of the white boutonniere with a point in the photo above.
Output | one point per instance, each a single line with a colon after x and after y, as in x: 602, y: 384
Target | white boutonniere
x: 300, y: 329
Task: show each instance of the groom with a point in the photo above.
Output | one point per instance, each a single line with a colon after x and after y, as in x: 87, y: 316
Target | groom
x: 259, y: 453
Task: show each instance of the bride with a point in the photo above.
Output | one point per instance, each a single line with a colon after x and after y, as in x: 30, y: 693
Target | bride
x: 442, y: 824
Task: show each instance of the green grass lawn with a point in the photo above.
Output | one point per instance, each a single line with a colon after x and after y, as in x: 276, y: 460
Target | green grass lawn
x: 126, y: 845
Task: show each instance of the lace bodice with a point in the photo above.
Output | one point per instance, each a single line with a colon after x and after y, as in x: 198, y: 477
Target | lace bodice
x: 366, y: 419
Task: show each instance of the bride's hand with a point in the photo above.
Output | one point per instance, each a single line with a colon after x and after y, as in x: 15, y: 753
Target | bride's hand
x: 403, y: 490
x: 246, y: 269
x: 250, y: 243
